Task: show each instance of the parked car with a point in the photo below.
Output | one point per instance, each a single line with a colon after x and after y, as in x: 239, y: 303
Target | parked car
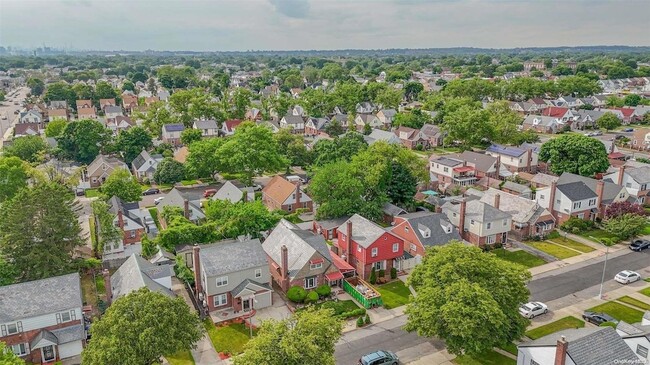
x: 158, y: 200
x: 151, y: 191
x: 256, y: 187
x: 533, y: 309
x: 380, y: 357
x: 79, y: 192
x: 598, y: 318
x: 209, y: 192
x: 639, y: 245
x: 627, y: 276
x: 628, y: 130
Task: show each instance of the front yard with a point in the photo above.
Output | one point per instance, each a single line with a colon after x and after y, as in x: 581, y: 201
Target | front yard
x: 553, y: 249
x: 634, y: 302
x: 92, y: 193
x: 181, y: 358
x: 339, y: 307
x: 520, y: 257
x: 599, y: 234
x: 229, y: 339
x: 572, y: 244
x: 619, y: 311
x: 394, y: 294
x: 486, y: 358
x: 645, y: 291
x: 561, y: 324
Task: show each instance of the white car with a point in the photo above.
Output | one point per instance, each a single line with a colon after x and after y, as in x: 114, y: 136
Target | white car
x: 158, y: 200
x: 533, y: 309
x: 627, y: 276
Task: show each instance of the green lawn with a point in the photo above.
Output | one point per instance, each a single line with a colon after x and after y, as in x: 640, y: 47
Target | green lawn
x: 599, y: 234
x: 645, y: 231
x: 488, y: 358
x: 162, y: 187
x: 339, y: 307
x: 93, y: 193
x: 189, y: 182
x: 561, y: 324
x: 519, y: 257
x: 634, y: 302
x: 619, y: 311
x: 181, y: 358
x: 572, y: 244
x: 99, y: 284
x: 511, y: 348
x: 93, y: 237
x: 154, y: 215
x: 553, y: 249
x: 645, y: 291
x: 229, y: 339
x: 394, y: 294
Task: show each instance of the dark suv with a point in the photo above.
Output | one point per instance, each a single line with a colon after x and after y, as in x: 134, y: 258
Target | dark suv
x: 379, y: 358
x: 598, y: 318
x: 639, y: 245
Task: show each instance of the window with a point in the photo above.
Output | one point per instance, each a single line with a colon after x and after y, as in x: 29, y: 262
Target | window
x: 489, y: 225
x: 490, y: 239
x: 374, y: 252
x: 505, y: 222
x: 132, y: 234
x: 621, y: 195
x: 629, y: 185
x: 64, y: 317
x: 19, y: 349
x: 13, y: 328
x: 378, y: 265
x: 289, y: 208
x: 557, y: 201
x: 445, y: 169
x: 642, y: 351
x: 454, y: 214
x: 395, y: 247
x: 310, y: 282
x: 358, y: 248
x: 533, y: 362
x: 315, y: 266
x: 471, y: 221
x: 219, y: 300
x: 592, y: 201
x: 222, y: 281
x: 644, y: 187
x: 413, y: 247
x: 406, y: 229
x: 258, y: 273
x: 577, y: 205
x: 541, y: 196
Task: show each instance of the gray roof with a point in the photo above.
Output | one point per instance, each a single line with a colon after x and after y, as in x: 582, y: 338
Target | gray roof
x: 145, y: 157
x: 332, y: 223
x: 478, y: 211
x: 430, y: 130
x: 576, y: 190
x: 293, y: 119
x: 516, y: 187
x: 239, y: 288
x: 39, y: 297
x: 421, y: 221
x: 70, y: 333
x: 43, y: 335
x: 206, y: 124
x: 116, y: 205
x: 177, y: 196
x: 174, y: 127
x: 481, y: 161
x: 389, y: 113
x: 364, y: 231
x: 136, y: 273
x: 590, y: 346
x: 639, y: 174
x: 381, y: 135
x: 231, y: 256
x: 392, y: 209
x: 110, y: 109
x: 523, y: 210
x: 610, y: 191
x: 627, y: 328
x: 447, y: 161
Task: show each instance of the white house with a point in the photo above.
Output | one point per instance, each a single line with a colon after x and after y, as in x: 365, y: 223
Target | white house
x: 208, y: 128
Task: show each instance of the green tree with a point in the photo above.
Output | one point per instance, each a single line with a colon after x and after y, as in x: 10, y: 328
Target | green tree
x: 403, y: 185
x: 467, y: 126
x: 332, y: 72
x: 28, y: 148
x: 82, y: 140
x: 242, y: 218
x: 338, y: 149
x: 251, y: 150
x: 412, y: 90
x: 106, y: 232
x: 122, y: 184
x: 7, y: 356
x: 241, y: 100
x: 632, y: 100
x: 505, y: 123
x: 103, y: 90
x: 190, y: 135
x: 575, y: 153
x: 292, y: 146
x: 608, y: 121
x: 169, y: 171
x: 625, y: 226
x: 389, y: 97
x: 83, y: 92
x: 14, y: 172
x: 334, y: 128
x: 307, y: 338
x: 132, y: 141
x: 193, y: 104
x: 128, y: 86
x: 39, y: 231
x: 7, y: 277
x: 60, y: 91
x: 202, y: 160
x: 36, y: 86
x: 55, y: 128
x: 158, y: 114
x: 468, y: 298
x: 126, y: 334
x: 415, y: 119
x: 337, y: 190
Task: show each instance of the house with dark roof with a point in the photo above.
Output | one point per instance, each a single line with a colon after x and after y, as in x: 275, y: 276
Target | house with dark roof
x: 171, y: 133
x: 41, y: 321
x: 515, y: 159
x: 27, y: 129
x: 433, y: 134
x: 208, y: 128
x: 328, y: 228
x: 299, y: 257
x: 286, y: 195
x: 145, y: 165
x: 421, y: 230
x: 636, y: 181
x: 130, y: 221
x: 113, y: 111
x: 295, y: 123
x: 386, y: 116
x: 479, y: 223
x: 136, y: 273
x: 119, y: 124
x: 232, y: 277
x: 582, y: 346
x: 366, y: 245
x: 316, y: 126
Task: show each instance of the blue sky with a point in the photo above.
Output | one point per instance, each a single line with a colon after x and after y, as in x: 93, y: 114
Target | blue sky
x: 222, y: 25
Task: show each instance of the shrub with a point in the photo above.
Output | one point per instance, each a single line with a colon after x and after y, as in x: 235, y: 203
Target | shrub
x: 576, y: 225
x: 312, y: 297
x: 296, y: 294
x: 393, y: 273
x: 360, y: 322
x: 382, y: 274
x: 552, y: 235
x: 373, y: 276
x: 324, y: 290
x: 353, y: 313
x: 367, y: 318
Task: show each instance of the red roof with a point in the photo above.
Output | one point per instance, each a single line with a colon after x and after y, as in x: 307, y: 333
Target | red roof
x: 341, y: 264
x: 316, y: 261
x: 627, y: 112
x: 232, y: 124
x: 464, y: 169
x: 554, y: 111
x: 334, y: 276
x: 616, y: 155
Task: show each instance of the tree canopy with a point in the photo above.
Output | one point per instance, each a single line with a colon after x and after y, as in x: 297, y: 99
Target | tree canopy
x: 122, y: 184
x: 83, y: 140
x: 575, y: 153
x: 28, y: 148
x: 242, y: 218
x: 608, y: 121
x: 202, y: 160
x: 55, y: 127
x: 132, y: 141
x: 15, y: 173
x: 169, y: 171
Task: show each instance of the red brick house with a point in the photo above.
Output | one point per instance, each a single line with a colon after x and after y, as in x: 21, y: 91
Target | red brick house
x: 328, y: 228
x: 283, y: 194
x: 130, y: 222
x: 365, y: 245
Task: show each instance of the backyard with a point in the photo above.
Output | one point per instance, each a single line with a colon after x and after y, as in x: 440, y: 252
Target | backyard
x: 619, y: 311
x: 394, y: 294
x: 92, y: 193
x: 154, y: 215
x: 520, y: 257
x: 547, y: 329
x: 229, y: 339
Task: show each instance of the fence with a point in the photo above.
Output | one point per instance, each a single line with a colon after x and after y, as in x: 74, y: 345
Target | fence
x: 367, y: 302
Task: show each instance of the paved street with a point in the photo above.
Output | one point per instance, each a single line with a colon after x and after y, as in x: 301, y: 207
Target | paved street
x: 7, y: 109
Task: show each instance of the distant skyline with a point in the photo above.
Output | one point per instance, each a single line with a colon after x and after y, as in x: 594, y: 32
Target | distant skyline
x: 225, y: 25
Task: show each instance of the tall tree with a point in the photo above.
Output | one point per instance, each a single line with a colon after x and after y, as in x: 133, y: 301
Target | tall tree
x: 55, y: 128
x: 308, y: 338
x: 157, y: 115
x: 242, y: 218
x: 240, y: 101
x: 127, y: 333
x: 132, y: 141
x: 608, y: 121
x: 14, y: 174
x: 36, y: 86
x: 190, y: 135
x: 105, y: 231
x: 625, y: 226
x: 202, y: 160
x: 575, y: 153
x: 338, y: 191
x: 338, y: 149
x: 467, y: 126
x: 28, y: 148
x: 412, y: 90
x: 293, y: 147
x: 82, y: 140
x: 61, y: 91
x: 468, y: 298
x: 122, y: 184
x: 169, y: 171
x: 104, y: 90
x: 39, y: 231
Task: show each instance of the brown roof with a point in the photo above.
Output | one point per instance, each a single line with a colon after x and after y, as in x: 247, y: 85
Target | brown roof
x: 86, y: 111
x: 58, y: 113
x: 129, y: 99
x: 105, y: 102
x: 279, y: 189
x: 22, y: 128
x: 181, y: 154
x: 84, y: 104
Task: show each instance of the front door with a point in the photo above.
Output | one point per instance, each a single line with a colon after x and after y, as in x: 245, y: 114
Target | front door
x: 247, y: 305
x: 48, y: 353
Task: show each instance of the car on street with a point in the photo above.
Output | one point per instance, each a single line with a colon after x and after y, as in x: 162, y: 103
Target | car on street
x: 380, y: 357
x: 598, y: 318
x: 628, y: 130
x: 209, y: 192
x: 256, y: 187
x: 639, y: 245
x: 151, y: 191
x: 533, y: 309
x: 627, y: 276
x: 158, y: 200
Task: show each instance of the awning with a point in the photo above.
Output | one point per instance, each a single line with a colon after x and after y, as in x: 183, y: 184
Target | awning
x: 616, y: 155
x: 544, y: 223
x: 407, y: 255
x: 463, y: 169
x: 334, y: 276
x: 340, y: 264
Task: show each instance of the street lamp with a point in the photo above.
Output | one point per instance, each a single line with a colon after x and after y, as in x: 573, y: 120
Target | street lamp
x: 602, y: 280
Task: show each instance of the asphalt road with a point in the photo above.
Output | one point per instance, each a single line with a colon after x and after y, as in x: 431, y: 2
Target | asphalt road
x: 7, y: 108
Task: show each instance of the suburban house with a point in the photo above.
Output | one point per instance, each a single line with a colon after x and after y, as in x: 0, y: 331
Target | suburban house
x: 433, y: 134
x: 130, y: 221
x: 145, y: 165
x: 129, y: 102
x: 462, y: 169
x: 412, y: 138
x: 316, y: 126
x: 99, y: 170
x: 232, y: 277
x: 171, y: 133
x: 367, y: 119
x: 365, y: 245
x: 365, y: 107
x: 41, y: 321
x: 54, y: 114
x: 253, y: 114
x: 515, y: 159
x: 187, y: 199
x: 87, y: 113
x: 283, y: 194
x: 381, y: 135
x: 84, y: 104
x: 543, y: 124
x: 386, y: 116
x: 640, y: 139
x: 582, y: 346
x: 578, y: 196
x: 103, y: 103
x: 163, y: 95
x: 637, y: 336
x: 31, y: 116
x: 208, y: 128
x: 118, y: 124
x: 563, y: 114
x: 585, y: 119
x: 136, y: 273
x: 27, y: 129
x: 517, y: 189
x: 524, y: 107
x: 58, y: 104
x: 298, y: 257
x: 420, y: 230
x: 229, y: 126
x: 328, y: 228
x: 234, y: 192
x: 112, y: 111
x: 479, y: 223
x: 636, y: 181
x: 293, y: 122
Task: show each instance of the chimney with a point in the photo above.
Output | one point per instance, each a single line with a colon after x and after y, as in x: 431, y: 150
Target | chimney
x: 560, y: 351
x: 284, y: 270
x: 497, y: 165
x: 600, y: 186
x: 186, y: 208
x: 529, y: 159
x: 621, y: 172
x: 348, y: 242
x: 120, y: 219
x: 461, y: 220
x: 298, y: 194
x: 552, y: 198
x: 107, y: 286
x: 497, y: 200
x: 196, y: 264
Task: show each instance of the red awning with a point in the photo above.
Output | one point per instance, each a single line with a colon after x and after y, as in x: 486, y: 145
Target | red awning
x: 334, y: 276
x: 316, y: 261
x: 463, y: 169
x: 340, y: 264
